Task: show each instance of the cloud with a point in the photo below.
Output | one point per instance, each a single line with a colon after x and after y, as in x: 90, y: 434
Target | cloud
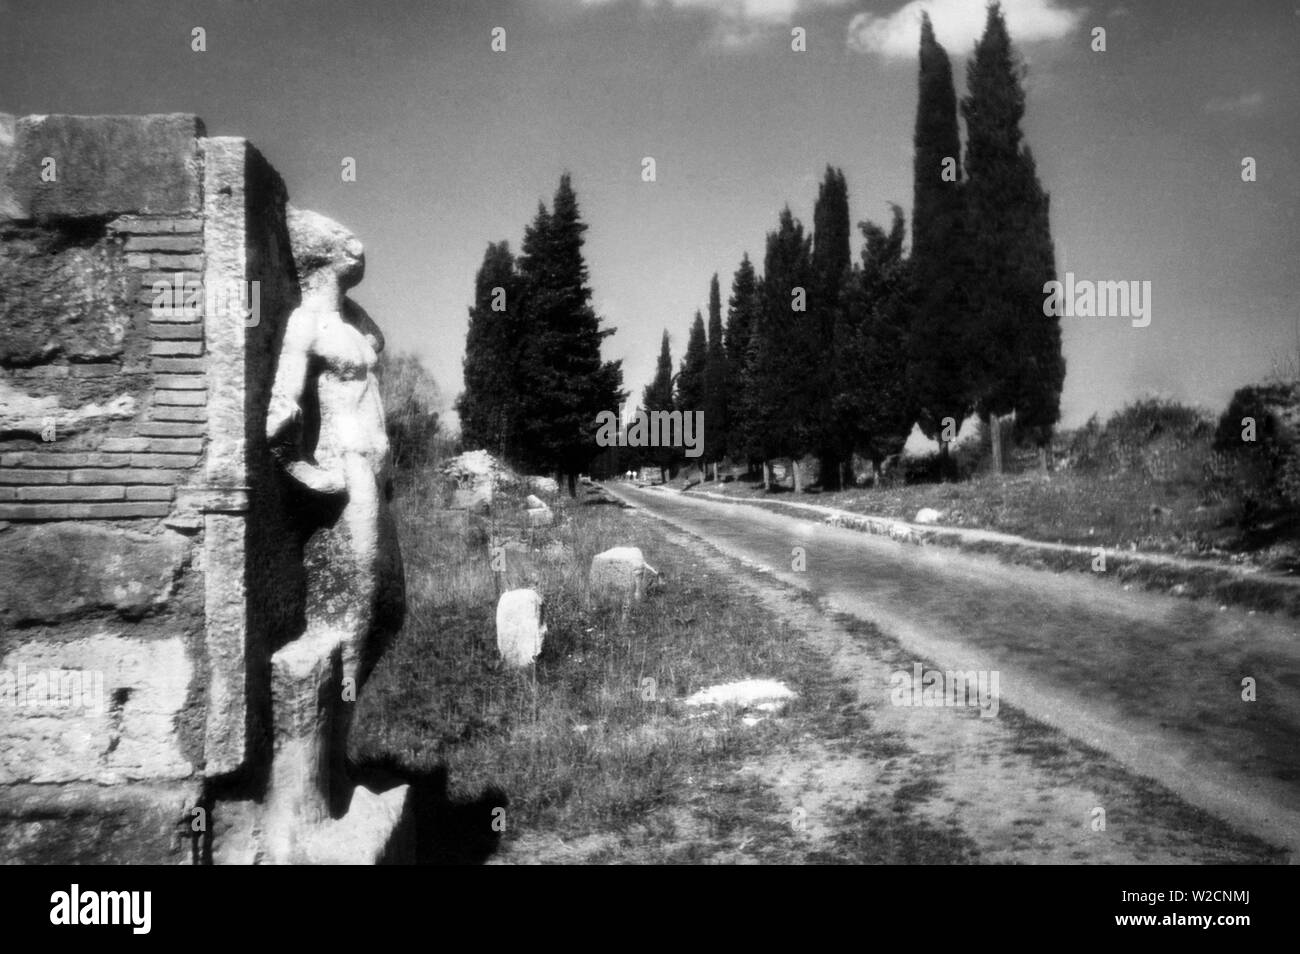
x: 957, y: 24
x: 770, y: 12
x: 737, y: 23
x: 1241, y: 105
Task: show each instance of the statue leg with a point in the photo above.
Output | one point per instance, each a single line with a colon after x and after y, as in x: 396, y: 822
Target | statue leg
x: 361, y: 526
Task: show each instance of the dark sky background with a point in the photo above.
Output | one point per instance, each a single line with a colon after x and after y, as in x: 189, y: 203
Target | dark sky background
x: 1140, y: 146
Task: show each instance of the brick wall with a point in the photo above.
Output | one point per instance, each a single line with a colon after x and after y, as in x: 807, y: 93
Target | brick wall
x: 124, y: 531
x: 123, y: 469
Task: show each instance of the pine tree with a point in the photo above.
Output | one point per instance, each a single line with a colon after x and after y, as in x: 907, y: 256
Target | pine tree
x: 1020, y: 367
x: 490, y: 406
x: 831, y: 261
x: 567, y: 384
x: 742, y: 316
x: 717, y: 383
x: 943, y: 341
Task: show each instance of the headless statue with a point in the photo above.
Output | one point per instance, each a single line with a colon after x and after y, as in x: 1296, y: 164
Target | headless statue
x: 326, y: 427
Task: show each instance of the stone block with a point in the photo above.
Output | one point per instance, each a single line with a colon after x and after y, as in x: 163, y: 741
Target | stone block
x: 620, y: 573
x: 87, y: 824
x: 99, y: 568
x: 122, y: 724
x: 106, y: 165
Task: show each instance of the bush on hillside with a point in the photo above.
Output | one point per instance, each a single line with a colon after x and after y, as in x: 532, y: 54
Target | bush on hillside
x: 1269, y: 464
x: 1162, y: 440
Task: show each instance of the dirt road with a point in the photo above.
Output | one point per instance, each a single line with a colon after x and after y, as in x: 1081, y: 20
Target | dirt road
x: 1157, y: 682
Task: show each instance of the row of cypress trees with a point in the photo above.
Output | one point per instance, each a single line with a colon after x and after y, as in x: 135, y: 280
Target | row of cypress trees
x: 819, y: 354
x: 825, y: 356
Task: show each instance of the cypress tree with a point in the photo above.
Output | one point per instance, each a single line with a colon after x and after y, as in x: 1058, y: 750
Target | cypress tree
x: 491, y: 405
x: 568, y: 384
x: 693, y: 377
x: 873, y: 402
x: 690, y: 380
x: 717, y: 383
x: 742, y: 312
x: 831, y: 253
x: 782, y: 359
x: 534, y: 375
x: 742, y: 316
x: 1020, y: 364
x: 658, y: 396
x: 831, y: 261
x: 943, y: 341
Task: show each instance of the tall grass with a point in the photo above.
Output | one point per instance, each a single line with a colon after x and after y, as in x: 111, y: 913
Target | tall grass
x: 581, y: 741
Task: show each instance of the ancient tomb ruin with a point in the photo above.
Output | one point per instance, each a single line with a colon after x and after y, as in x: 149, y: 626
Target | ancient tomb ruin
x: 197, y: 565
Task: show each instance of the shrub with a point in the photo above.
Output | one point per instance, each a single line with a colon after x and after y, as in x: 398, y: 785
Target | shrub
x: 1160, y: 439
x: 411, y: 400
x: 1270, y: 464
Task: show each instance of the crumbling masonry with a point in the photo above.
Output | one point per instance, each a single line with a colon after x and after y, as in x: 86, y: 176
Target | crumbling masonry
x: 159, y: 564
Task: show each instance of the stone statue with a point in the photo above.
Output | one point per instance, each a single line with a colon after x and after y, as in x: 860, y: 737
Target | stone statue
x: 325, y: 426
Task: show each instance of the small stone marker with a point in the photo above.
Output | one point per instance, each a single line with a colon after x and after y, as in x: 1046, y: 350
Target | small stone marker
x: 620, y: 573
x: 520, y: 630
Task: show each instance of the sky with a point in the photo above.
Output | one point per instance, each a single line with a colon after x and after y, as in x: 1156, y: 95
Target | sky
x: 1140, y: 146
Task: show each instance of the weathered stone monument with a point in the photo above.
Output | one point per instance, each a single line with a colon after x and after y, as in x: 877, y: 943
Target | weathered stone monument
x: 197, y: 565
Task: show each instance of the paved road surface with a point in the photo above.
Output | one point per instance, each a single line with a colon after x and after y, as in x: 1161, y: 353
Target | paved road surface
x: 1155, y: 681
